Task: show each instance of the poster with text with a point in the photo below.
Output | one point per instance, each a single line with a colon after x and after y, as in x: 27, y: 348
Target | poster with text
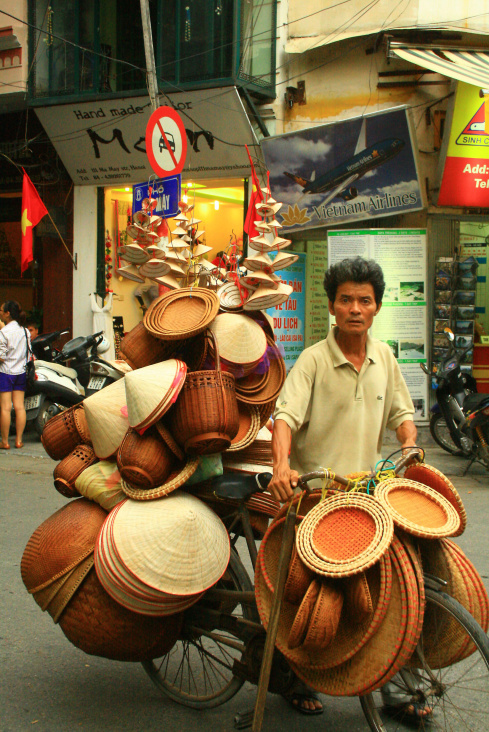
x: 402, y: 320
x: 288, y: 318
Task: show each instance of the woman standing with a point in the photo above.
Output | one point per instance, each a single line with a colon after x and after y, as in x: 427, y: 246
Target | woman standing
x: 14, y: 353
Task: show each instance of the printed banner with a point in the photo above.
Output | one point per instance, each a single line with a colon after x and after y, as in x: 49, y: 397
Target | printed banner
x: 289, y: 317
x: 402, y: 320
x: 356, y: 169
x: 465, y: 180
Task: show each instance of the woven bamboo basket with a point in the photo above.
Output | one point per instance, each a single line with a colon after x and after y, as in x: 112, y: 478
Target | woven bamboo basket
x: 205, y: 417
x: 139, y: 348
x: 61, y: 434
x: 144, y: 461
x: 68, y: 470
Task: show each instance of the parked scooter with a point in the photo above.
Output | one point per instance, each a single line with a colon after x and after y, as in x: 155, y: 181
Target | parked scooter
x: 459, y: 422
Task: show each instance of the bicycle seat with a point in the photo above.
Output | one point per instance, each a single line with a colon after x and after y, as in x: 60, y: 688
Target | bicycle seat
x: 235, y: 487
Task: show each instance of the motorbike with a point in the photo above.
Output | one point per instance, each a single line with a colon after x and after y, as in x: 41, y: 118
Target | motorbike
x: 459, y: 421
x: 64, y: 378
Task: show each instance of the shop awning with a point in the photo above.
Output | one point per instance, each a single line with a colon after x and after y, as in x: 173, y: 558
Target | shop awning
x: 472, y: 66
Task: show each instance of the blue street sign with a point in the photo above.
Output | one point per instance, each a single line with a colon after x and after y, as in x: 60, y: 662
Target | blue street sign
x: 165, y: 190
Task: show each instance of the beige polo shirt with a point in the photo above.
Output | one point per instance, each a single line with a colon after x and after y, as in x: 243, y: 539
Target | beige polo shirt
x: 337, y: 415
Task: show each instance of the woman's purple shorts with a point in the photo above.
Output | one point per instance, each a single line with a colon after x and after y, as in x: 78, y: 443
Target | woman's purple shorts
x: 12, y: 382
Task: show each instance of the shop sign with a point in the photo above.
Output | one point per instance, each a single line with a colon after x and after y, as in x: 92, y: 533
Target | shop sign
x: 465, y: 179
x: 357, y: 169
x: 103, y: 143
x: 166, y: 191
x: 289, y: 317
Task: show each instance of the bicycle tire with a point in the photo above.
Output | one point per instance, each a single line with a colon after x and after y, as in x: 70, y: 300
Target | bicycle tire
x: 197, y: 672
x: 441, y: 435
x: 458, y: 700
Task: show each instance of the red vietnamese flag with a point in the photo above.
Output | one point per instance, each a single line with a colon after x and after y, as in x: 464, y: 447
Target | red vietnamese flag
x: 33, y: 210
x: 256, y: 197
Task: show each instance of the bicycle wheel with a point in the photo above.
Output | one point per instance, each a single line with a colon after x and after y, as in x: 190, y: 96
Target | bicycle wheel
x: 458, y: 694
x: 198, y: 671
x: 441, y: 435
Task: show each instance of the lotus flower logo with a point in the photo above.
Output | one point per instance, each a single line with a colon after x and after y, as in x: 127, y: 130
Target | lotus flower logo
x: 295, y: 216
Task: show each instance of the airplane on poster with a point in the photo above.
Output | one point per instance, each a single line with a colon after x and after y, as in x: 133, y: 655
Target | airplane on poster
x: 339, y: 180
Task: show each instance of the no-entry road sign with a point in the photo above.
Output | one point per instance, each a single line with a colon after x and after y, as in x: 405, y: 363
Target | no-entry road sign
x: 166, y: 142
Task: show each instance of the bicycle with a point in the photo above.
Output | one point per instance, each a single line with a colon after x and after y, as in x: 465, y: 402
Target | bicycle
x: 223, y: 641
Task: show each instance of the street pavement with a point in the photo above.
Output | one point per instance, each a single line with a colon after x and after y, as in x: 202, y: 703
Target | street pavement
x: 49, y: 685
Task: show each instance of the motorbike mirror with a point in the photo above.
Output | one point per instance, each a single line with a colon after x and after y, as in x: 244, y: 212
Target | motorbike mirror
x: 449, y: 334
x: 424, y: 368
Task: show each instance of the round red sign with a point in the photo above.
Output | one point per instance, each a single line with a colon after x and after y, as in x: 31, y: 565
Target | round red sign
x: 166, y: 142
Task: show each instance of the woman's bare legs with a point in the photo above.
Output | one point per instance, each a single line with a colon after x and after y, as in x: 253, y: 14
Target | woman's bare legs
x: 20, y: 418
x: 5, y: 410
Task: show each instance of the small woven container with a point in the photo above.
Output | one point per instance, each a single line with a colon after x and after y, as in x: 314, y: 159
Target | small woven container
x: 344, y: 535
x: 418, y: 509
x: 81, y: 424
x: 99, y: 626
x: 60, y: 543
x: 325, y: 617
x: 205, y: 416
x: 300, y: 625
x: 61, y: 434
x: 181, y: 313
x: 139, y: 348
x: 144, y: 461
x: 62, y: 597
x: 299, y: 577
x: 430, y: 476
x: 68, y: 470
x: 182, y: 471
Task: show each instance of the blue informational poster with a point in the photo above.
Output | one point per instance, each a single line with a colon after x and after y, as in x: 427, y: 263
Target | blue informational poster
x: 289, y: 317
x: 165, y: 190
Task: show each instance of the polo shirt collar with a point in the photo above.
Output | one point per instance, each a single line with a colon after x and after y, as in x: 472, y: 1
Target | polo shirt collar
x: 337, y: 354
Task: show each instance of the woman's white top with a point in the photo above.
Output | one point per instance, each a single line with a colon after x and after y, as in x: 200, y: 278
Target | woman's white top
x: 13, y: 348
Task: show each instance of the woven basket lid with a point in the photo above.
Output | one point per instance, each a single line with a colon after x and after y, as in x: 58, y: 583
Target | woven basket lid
x: 176, y: 545
x: 181, y: 314
x: 106, y: 418
x: 101, y: 483
x: 344, y: 535
x: 181, y: 472
x: 151, y: 390
x: 240, y: 339
x: 418, y: 509
x: 266, y: 297
x: 154, y: 268
x: 130, y: 272
x: 168, y: 438
x: 99, y: 626
x: 430, y: 476
x: 60, y: 543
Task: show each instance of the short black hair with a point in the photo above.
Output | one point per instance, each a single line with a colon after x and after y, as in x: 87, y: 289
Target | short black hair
x: 355, y: 269
x: 32, y: 322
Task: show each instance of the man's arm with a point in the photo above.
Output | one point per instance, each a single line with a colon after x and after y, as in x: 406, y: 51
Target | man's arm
x: 284, y: 479
x: 406, y: 433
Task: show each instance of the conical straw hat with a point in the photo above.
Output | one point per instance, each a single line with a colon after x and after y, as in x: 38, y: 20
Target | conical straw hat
x: 178, y: 243
x: 130, y: 272
x: 166, y: 281
x: 200, y: 249
x: 280, y: 243
x: 135, y: 254
x: 150, y: 390
x: 176, y: 271
x: 259, y: 278
x: 258, y: 261
x: 262, y: 225
x: 199, y: 234
x: 142, y: 218
x: 154, y: 268
x: 239, y: 338
x: 175, y: 255
x: 176, y: 545
x: 179, y: 231
x: 266, y: 297
x: 283, y: 260
x: 155, y: 251
x: 182, y: 219
x: 106, y: 418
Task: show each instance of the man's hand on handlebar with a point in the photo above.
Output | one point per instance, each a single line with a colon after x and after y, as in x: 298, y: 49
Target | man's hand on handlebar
x: 283, y: 483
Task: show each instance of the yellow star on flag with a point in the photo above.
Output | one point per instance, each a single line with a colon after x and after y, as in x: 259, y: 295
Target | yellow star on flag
x: 25, y: 222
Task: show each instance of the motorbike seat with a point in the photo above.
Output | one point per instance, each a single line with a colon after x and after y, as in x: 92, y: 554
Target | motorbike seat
x: 63, y: 370
x: 236, y: 487
x: 472, y: 402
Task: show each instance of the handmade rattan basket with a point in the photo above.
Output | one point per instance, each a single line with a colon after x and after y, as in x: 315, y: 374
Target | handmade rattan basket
x: 182, y: 313
x: 205, y: 416
x: 139, y: 348
x: 68, y: 470
x: 144, y: 461
x: 61, y: 434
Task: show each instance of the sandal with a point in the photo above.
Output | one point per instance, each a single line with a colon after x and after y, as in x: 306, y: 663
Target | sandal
x: 4, y: 447
x: 415, y: 712
x: 21, y: 444
x: 300, y: 693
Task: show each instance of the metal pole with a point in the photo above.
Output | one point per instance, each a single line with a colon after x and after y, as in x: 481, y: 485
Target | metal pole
x: 150, y: 55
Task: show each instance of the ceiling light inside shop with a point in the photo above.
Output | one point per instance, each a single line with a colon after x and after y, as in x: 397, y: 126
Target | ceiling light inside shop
x: 216, y: 205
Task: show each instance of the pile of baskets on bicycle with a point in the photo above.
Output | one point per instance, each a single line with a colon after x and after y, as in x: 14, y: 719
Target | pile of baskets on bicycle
x: 144, y: 537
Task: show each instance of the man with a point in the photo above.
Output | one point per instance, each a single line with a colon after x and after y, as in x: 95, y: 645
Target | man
x: 340, y: 396
x: 33, y: 328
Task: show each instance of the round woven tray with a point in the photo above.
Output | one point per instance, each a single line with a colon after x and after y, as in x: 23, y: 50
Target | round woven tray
x: 181, y: 313
x: 269, y: 389
x: 344, y: 535
x: 430, y: 476
x: 418, y: 509
x: 350, y: 636
x: 477, y: 583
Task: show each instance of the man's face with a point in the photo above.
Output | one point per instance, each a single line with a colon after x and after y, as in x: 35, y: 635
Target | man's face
x: 354, y: 307
x: 33, y: 331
